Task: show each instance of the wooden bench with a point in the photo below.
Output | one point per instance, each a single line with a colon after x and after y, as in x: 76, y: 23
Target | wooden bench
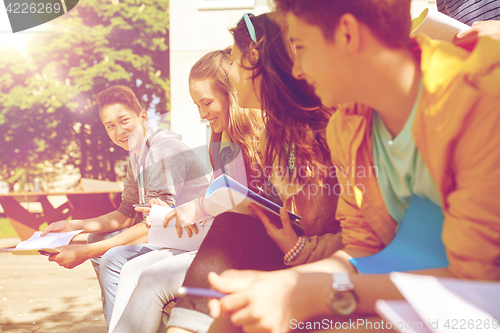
x: 28, y: 211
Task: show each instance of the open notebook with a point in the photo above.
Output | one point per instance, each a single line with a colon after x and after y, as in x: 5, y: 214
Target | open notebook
x: 226, y: 194
x: 43, y: 245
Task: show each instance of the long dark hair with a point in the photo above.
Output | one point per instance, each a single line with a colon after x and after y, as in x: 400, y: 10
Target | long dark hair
x: 292, y: 112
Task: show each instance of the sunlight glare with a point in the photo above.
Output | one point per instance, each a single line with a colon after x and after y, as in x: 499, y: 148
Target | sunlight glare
x: 13, y: 41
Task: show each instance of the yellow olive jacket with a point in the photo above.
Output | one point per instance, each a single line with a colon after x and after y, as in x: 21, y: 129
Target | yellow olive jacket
x: 457, y: 132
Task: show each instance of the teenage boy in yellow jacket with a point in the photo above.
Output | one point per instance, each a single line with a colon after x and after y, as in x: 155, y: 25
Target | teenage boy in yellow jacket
x: 425, y: 114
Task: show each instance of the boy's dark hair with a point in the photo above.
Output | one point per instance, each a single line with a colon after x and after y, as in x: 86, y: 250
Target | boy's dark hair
x: 119, y: 94
x: 389, y: 20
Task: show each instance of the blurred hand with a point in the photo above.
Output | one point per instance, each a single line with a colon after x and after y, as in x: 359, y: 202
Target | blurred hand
x: 61, y: 226
x: 285, y: 237
x: 268, y: 301
x: 468, y: 38
x: 151, y: 202
x: 237, y: 280
x: 70, y: 256
x: 190, y: 229
x: 142, y: 209
x: 147, y: 222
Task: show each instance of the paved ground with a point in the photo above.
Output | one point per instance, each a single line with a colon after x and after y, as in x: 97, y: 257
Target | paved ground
x: 39, y: 296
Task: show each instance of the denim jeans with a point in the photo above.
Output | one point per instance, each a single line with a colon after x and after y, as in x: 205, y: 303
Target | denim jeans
x: 109, y: 265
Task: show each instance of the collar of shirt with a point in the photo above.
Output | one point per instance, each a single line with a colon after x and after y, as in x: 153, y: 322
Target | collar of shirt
x: 225, y: 141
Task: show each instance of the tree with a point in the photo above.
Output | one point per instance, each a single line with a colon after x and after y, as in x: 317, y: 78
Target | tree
x: 48, y: 113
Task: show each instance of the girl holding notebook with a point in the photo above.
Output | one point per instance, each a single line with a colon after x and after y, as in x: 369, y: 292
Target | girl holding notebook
x: 147, y: 284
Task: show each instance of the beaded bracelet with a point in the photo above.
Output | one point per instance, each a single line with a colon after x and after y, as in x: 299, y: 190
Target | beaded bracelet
x: 287, y: 255
x: 295, y: 250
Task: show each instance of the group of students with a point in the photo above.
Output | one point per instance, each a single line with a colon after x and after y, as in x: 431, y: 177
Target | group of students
x: 303, y: 107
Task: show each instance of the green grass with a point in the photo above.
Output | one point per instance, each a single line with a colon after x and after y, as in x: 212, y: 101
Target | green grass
x: 6, y: 229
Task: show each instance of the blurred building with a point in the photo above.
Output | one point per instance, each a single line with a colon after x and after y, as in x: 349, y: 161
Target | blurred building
x: 201, y: 26
x: 198, y: 27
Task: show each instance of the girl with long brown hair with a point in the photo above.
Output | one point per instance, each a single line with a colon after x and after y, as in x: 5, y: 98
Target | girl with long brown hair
x: 149, y: 281
x: 239, y: 126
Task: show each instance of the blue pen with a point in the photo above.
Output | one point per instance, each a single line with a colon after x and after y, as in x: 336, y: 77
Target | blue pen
x: 200, y: 292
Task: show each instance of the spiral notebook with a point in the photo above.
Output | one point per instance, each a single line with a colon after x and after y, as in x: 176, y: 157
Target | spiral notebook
x: 226, y: 194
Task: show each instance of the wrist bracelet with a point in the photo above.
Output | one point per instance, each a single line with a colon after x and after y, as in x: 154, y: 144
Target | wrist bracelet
x: 295, y: 250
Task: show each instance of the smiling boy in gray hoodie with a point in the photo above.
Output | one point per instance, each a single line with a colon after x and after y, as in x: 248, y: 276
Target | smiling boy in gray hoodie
x: 160, y: 166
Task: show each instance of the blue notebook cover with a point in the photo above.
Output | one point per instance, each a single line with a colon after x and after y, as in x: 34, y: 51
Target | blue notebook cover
x: 417, y: 244
x: 226, y: 181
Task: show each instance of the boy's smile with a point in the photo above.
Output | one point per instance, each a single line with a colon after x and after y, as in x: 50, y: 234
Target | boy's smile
x: 124, y: 127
